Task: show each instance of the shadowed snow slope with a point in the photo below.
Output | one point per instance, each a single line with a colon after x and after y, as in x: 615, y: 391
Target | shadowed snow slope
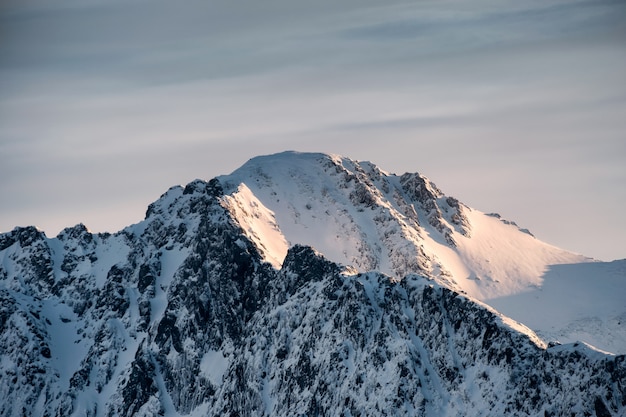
x: 575, y: 302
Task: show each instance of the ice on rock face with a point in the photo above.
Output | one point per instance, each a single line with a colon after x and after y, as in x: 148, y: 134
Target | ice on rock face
x: 301, y: 284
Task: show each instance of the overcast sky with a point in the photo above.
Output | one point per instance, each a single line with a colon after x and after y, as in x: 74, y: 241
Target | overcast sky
x: 512, y: 107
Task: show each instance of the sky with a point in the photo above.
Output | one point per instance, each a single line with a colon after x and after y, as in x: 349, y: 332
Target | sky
x: 511, y: 107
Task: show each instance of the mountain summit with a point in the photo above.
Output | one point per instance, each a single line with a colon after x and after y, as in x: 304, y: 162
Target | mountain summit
x: 358, y: 215
x: 307, y: 284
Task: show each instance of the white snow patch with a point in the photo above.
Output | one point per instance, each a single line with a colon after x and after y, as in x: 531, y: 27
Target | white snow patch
x: 171, y: 261
x: 214, y: 365
x: 56, y: 252
x: 67, y: 348
x: 109, y: 252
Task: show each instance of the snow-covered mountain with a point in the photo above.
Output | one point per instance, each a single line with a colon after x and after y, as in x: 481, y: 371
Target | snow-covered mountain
x: 307, y: 284
x: 358, y: 215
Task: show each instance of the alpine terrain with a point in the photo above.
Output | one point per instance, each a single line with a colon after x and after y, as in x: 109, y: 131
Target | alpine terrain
x: 308, y: 285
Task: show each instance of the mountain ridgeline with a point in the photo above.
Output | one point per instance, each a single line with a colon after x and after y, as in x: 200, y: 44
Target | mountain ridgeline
x: 299, y: 285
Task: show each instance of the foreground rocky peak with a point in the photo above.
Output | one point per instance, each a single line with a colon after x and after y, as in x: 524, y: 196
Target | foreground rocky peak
x: 191, y: 311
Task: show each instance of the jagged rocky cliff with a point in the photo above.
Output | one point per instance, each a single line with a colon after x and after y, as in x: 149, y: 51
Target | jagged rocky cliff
x: 196, y: 311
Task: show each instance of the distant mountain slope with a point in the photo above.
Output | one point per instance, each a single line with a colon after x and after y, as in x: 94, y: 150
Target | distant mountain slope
x: 575, y: 302
x: 181, y: 315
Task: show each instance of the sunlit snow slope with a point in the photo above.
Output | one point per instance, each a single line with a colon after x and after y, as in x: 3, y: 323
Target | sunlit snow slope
x: 356, y: 214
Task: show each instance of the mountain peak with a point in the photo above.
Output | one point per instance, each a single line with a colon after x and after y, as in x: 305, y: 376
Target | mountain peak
x: 357, y: 214
x: 306, y: 283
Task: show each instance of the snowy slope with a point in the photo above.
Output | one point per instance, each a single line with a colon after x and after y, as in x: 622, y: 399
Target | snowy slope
x: 358, y: 215
x: 258, y: 224
x: 575, y: 302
